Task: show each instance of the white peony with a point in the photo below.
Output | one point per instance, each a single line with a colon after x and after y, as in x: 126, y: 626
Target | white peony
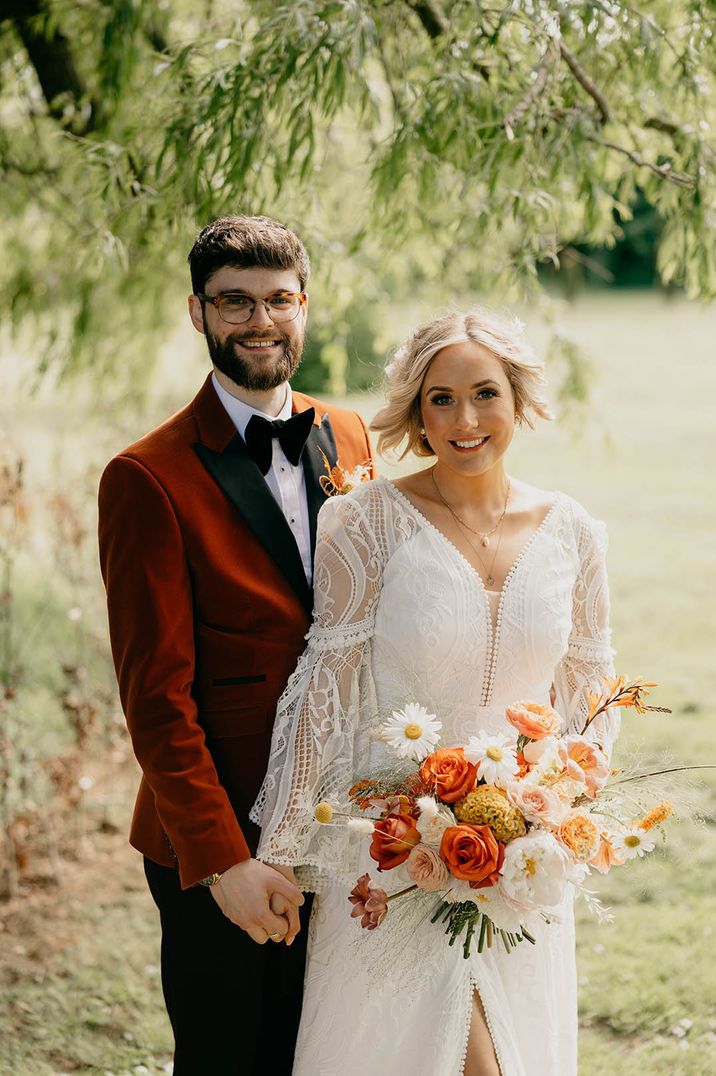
x: 535, y: 871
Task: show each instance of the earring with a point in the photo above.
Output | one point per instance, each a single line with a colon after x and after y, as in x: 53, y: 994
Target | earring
x: 422, y: 431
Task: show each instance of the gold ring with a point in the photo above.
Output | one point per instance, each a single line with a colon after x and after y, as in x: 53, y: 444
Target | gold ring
x: 275, y: 937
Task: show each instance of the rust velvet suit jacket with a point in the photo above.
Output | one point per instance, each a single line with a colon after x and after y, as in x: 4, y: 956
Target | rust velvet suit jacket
x: 208, y: 607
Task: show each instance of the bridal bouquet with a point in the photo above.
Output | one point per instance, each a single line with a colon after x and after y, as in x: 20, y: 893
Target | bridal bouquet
x: 499, y: 828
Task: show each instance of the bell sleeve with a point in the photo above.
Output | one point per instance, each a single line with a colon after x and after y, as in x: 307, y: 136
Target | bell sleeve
x: 320, y: 736
x: 589, y: 657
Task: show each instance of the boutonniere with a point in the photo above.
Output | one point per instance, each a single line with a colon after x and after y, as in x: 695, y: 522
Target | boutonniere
x: 337, y: 481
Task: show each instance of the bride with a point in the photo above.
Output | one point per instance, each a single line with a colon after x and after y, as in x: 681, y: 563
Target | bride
x: 465, y: 589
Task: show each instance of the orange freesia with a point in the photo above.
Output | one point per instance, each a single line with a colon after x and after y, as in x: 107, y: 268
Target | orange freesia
x: 656, y: 815
x: 606, y: 857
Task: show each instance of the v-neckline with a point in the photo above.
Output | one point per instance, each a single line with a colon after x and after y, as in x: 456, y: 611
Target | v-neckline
x: 448, y: 541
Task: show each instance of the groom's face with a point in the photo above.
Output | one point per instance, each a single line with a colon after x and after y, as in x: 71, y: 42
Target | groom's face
x: 257, y: 354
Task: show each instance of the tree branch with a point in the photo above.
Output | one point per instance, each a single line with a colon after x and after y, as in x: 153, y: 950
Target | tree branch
x: 436, y: 23
x: 585, y: 81
x: 54, y: 65
x: 539, y: 82
x: 665, y: 126
x: 681, y: 179
x: 432, y: 16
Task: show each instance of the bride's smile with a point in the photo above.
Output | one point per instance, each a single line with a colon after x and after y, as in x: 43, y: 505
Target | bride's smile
x: 468, y: 412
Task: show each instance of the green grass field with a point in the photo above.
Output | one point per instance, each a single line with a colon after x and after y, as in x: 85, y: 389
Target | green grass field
x: 644, y: 462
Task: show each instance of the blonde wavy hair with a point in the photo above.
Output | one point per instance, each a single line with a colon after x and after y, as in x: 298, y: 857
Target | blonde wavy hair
x: 405, y: 373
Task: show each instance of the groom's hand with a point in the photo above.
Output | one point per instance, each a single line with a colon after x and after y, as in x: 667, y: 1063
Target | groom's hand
x: 243, y: 893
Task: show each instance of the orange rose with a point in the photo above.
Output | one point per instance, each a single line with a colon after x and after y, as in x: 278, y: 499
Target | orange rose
x: 393, y: 837
x: 533, y: 721
x: 448, y: 773
x: 473, y: 854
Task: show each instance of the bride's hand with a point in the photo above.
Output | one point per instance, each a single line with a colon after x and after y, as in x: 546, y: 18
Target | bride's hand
x: 281, y: 906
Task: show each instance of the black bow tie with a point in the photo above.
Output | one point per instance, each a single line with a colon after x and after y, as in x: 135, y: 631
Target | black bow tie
x: 292, y: 436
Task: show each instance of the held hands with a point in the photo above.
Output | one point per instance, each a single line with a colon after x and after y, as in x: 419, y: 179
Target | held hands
x: 260, y: 900
x: 281, y: 906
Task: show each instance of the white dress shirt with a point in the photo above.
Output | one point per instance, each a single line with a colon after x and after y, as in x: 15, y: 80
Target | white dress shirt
x: 286, y: 482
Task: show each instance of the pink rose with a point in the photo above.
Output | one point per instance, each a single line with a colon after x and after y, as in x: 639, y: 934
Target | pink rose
x: 426, y: 869
x: 591, y: 760
x: 369, y: 901
x: 533, y: 721
x: 537, y: 804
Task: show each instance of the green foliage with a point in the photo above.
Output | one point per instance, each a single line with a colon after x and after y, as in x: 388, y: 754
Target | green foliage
x: 468, y: 142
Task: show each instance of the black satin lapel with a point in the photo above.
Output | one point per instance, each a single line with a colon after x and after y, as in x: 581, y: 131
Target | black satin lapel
x: 320, y: 439
x: 238, y: 476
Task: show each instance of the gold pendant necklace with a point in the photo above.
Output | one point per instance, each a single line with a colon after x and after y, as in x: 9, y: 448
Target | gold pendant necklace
x: 466, y: 526
x: 484, y: 538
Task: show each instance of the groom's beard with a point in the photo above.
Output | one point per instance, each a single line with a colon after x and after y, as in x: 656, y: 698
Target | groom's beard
x: 260, y: 373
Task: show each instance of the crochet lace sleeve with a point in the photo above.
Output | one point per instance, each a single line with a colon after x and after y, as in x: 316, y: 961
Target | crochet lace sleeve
x: 320, y: 733
x: 589, y: 656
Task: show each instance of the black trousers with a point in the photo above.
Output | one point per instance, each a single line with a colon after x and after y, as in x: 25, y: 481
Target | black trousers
x: 234, y: 1006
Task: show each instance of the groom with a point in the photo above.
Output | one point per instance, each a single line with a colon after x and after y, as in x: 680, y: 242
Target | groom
x: 207, y: 531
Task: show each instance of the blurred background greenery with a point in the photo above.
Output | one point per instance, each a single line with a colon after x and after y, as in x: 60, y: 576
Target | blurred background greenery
x: 554, y: 159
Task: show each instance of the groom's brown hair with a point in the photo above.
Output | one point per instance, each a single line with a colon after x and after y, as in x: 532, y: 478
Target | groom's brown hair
x: 246, y: 243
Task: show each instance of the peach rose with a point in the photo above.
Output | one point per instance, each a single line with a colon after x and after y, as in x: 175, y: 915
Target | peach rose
x: 579, y: 834
x: 448, y: 773
x: 533, y: 721
x: 537, y: 804
x: 393, y: 837
x: 473, y: 854
x: 591, y: 760
x: 426, y: 869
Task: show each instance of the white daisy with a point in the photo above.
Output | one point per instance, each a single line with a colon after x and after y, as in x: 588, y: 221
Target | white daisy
x: 633, y: 842
x: 412, y: 731
x: 495, y: 755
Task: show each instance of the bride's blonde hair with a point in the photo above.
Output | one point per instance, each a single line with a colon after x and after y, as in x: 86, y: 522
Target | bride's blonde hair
x: 405, y: 373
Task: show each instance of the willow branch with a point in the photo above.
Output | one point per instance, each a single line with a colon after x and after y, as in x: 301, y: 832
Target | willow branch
x: 664, y: 171
x: 664, y: 126
x: 585, y: 81
x: 434, y: 20
x: 436, y: 24
x: 541, y: 73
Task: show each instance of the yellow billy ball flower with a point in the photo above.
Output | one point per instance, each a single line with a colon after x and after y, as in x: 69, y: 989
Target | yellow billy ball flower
x: 488, y: 806
x: 323, y: 813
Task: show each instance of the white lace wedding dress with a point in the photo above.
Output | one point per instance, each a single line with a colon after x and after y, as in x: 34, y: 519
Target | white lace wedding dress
x: 402, y: 616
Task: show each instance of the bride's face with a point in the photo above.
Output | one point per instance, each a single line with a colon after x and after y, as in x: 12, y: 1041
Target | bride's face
x: 468, y: 408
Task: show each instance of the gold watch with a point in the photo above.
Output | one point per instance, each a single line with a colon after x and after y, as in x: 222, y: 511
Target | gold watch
x: 212, y: 879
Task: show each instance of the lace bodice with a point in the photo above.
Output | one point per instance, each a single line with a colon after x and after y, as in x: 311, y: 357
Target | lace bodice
x: 400, y: 615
